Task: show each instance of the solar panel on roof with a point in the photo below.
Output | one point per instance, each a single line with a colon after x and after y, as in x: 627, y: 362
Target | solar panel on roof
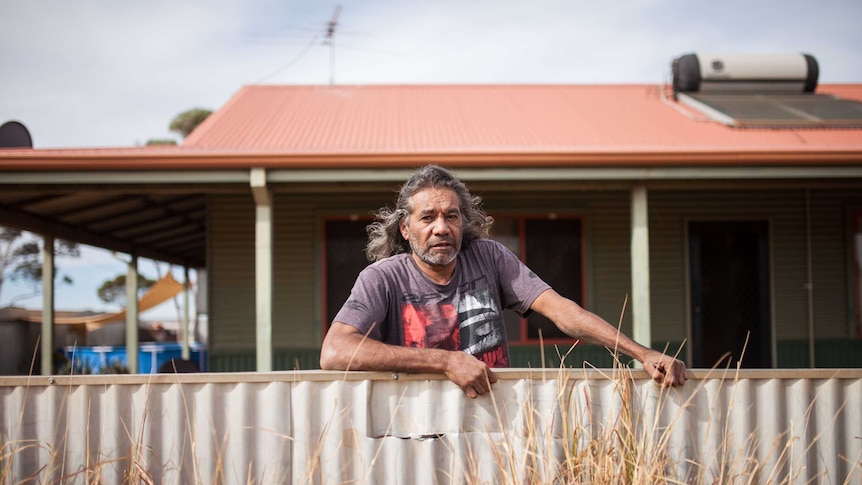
x: 752, y: 110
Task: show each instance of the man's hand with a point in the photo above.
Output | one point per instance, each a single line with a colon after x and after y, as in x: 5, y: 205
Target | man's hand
x: 344, y: 348
x: 472, y: 375
x: 666, y: 371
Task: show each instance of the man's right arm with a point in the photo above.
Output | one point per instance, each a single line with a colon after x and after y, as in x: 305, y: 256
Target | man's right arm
x: 344, y: 348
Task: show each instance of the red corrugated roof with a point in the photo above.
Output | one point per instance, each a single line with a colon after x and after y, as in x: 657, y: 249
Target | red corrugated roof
x: 486, y: 119
x: 479, y: 125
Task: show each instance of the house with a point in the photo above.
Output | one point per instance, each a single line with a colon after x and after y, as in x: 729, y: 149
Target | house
x: 705, y: 226
x: 73, y: 330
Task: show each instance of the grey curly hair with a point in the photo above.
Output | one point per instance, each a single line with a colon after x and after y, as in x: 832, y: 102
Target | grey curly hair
x: 384, y: 235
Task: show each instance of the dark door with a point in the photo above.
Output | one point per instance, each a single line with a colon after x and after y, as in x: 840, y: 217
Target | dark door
x: 729, y: 264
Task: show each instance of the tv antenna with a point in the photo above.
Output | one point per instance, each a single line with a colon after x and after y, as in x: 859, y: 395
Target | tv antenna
x: 330, y: 40
x: 327, y: 33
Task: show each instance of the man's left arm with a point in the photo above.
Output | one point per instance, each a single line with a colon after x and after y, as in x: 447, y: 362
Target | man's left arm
x: 581, y: 324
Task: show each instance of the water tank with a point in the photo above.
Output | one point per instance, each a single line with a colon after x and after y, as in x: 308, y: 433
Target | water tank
x: 714, y: 73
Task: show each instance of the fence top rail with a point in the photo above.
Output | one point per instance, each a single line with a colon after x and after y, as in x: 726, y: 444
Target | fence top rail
x: 319, y: 375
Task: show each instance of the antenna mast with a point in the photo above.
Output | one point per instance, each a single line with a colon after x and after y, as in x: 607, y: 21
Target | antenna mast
x: 330, y: 39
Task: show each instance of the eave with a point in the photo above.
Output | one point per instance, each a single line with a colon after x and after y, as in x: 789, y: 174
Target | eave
x: 209, y: 160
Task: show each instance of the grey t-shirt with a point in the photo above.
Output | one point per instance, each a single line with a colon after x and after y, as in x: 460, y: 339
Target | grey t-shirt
x: 394, y: 302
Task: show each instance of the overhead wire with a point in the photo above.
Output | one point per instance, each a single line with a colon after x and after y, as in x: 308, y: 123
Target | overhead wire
x: 293, y: 61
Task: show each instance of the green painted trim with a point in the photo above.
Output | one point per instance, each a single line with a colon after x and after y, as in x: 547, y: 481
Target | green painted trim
x: 828, y: 354
x: 792, y: 354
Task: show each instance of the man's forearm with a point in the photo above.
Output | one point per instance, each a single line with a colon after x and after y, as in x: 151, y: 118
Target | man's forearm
x: 355, y: 352
x: 594, y: 329
x: 346, y: 349
x: 584, y: 325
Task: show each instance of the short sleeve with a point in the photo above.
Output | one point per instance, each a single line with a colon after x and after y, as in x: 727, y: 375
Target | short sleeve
x: 519, y: 285
x: 367, y: 307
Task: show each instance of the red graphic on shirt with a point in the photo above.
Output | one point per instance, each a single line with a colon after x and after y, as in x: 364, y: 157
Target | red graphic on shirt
x: 496, y: 357
x: 431, y: 326
x: 437, y: 327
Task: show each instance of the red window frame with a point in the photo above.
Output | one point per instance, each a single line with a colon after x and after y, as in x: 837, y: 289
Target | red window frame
x: 856, y: 271
x: 523, y: 337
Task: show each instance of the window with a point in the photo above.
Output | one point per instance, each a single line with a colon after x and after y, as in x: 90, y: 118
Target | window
x: 552, y: 248
x: 856, y: 271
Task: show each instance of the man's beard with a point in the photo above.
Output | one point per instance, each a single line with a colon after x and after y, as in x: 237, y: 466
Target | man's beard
x: 437, y: 257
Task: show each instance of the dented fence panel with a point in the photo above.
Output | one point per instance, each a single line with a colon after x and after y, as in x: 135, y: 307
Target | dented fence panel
x: 537, y: 426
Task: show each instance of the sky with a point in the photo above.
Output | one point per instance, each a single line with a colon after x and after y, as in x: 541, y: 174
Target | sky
x: 112, y: 73
x: 90, y: 73
x: 88, y: 272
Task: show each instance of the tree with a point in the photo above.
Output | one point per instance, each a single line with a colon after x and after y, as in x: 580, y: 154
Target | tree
x: 160, y: 141
x: 21, y: 259
x: 114, y: 291
x: 185, y: 122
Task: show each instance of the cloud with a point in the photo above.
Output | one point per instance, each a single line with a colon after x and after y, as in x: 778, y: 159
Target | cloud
x: 109, y: 73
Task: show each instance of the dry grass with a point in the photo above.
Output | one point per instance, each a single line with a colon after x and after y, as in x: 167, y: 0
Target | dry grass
x: 639, y: 435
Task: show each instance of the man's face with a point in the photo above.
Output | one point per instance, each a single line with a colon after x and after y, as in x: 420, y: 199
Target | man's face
x: 433, y: 229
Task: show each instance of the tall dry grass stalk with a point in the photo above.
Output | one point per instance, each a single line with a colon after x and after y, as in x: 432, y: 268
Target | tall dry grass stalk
x: 633, y: 445
x: 629, y: 446
x: 565, y: 428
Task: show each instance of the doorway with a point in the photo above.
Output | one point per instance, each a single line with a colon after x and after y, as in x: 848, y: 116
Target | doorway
x: 730, y: 295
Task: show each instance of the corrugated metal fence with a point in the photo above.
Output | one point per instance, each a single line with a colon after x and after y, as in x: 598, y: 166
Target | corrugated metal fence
x: 539, y: 426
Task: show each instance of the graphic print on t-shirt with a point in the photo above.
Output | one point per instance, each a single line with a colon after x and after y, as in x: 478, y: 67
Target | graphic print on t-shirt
x: 482, y: 332
x: 473, y: 324
x: 431, y: 326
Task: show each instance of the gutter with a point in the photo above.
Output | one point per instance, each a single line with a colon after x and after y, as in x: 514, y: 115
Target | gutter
x: 185, y: 159
x: 168, y: 178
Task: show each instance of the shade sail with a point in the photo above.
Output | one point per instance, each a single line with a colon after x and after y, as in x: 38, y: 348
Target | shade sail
x: 163, y: 290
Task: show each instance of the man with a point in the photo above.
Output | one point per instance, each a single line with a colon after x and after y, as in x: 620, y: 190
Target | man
x: 432, y: 301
